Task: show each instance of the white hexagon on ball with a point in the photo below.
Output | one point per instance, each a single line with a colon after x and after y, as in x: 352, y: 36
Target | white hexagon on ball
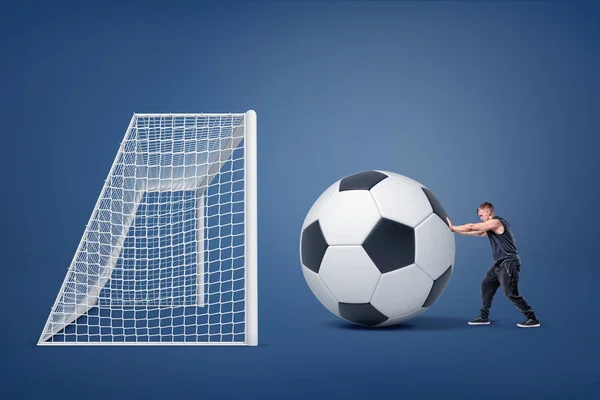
x: 434, y: 246
x: 349, y: 217
x: 402, y: 291
x: 349, y: 274
x: 402, y: 201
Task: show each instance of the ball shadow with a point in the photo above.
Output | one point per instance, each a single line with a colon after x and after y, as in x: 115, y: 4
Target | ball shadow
x: 421, y: 323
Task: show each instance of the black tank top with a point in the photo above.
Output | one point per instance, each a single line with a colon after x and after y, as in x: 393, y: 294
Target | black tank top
x: 503, y: 246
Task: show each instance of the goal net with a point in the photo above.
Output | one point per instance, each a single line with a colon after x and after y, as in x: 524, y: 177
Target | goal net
x: 169, y: 253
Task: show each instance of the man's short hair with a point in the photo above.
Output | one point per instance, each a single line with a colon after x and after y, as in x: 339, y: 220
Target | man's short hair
x: 483, y: 205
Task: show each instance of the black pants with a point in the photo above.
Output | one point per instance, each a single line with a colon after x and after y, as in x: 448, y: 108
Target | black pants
x: 505, y: 274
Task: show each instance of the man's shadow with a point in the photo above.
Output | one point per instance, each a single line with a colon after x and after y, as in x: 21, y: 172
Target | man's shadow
x: 420, y: 323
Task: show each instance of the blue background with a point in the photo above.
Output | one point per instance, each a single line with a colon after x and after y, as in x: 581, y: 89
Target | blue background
x: 479, y: 101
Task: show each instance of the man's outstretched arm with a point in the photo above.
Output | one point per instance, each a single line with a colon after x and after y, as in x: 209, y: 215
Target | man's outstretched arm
x: 473, y: 233
x: 478, y: 229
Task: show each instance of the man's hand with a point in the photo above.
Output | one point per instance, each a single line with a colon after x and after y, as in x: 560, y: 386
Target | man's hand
x: 450, y: 223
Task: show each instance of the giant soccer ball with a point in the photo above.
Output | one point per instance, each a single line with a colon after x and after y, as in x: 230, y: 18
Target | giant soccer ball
x: 376, y: 249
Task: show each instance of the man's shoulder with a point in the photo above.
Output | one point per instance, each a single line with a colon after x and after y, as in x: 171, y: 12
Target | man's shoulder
x: 503, y: 222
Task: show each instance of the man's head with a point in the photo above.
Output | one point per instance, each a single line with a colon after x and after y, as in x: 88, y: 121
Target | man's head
x: 485, y: 211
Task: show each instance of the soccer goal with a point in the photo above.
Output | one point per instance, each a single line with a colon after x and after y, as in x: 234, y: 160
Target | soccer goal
x: 169, y: 255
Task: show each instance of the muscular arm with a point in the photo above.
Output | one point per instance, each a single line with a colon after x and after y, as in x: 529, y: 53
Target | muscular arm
x: 466, y: 228
x: 473, y: 233
x: 478, y: 229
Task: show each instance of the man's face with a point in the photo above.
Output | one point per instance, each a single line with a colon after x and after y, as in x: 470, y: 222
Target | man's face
x: 484, y: 214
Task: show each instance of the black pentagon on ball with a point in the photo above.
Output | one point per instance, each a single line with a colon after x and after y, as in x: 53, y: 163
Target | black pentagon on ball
x: 438, y: 287
x: 361, y: 181
x: 391, y: 245
x: 313, y: 246
x: 438, y: 209
x: 363, y: 314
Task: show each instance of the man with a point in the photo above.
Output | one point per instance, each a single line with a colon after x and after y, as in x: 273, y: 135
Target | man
x: 506, y: 268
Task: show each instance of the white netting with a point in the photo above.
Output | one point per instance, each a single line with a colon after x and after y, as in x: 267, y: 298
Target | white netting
x: 162, y: 258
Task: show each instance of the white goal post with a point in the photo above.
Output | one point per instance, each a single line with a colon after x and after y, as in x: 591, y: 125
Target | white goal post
x: 169, y: 254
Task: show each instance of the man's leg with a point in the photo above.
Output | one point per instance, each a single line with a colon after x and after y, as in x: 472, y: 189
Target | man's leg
x: 509, y: 279
x: 489, y: 285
